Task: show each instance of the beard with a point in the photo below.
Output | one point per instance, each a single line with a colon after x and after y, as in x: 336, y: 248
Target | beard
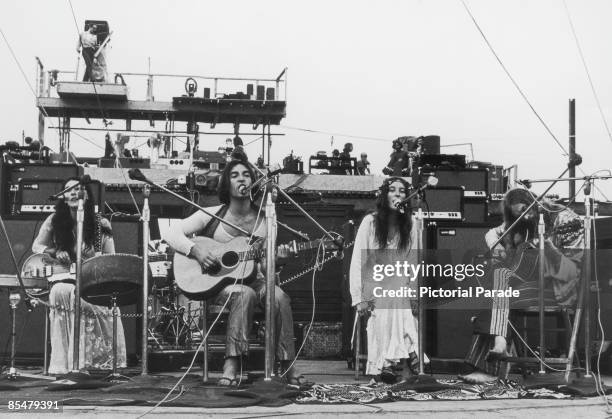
x: 527, y: 228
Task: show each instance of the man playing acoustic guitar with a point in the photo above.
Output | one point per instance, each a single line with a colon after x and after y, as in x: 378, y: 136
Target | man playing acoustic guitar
x: 515, y: 264
x: 238, y: 209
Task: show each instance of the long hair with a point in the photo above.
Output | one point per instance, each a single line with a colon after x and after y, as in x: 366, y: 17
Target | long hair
x: 383, y: 214
x: 524, y: 196
x: 224, y: 179
x: 63, y: 223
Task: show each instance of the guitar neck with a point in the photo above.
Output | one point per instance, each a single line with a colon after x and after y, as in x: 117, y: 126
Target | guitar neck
x: 299, y: 247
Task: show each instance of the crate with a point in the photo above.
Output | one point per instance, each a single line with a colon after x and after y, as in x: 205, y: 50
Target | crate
x: 323, y: 341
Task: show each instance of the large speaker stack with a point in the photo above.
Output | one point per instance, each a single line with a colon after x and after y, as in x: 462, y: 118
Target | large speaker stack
x: 25, y: 189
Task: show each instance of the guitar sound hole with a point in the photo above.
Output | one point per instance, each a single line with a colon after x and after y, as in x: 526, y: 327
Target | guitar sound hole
x: 230, y: 259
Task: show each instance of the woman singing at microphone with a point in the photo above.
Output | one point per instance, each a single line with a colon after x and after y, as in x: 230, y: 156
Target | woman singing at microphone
x: 57, y: 238
x: 386, y: 235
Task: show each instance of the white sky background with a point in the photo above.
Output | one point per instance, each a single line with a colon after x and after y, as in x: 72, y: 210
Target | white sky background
x: 375, y: 69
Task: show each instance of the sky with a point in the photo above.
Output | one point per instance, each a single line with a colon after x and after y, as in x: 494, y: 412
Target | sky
x: 375, y: 70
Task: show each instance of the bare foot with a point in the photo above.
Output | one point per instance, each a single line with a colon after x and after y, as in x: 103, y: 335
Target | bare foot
x: 500, y: 345
x: 478, y: 377
x: 230, y: 369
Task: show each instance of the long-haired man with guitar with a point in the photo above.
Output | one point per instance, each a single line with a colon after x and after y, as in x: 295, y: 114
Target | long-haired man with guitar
x: 221, y: 274
x: 515, y: 264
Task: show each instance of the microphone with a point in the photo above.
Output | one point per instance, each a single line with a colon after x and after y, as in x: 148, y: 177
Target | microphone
x: 432, y: 181
x: 262, y: 180
x: 245, y: 190
x: 525, y: 182
x: 397, y: 204
x: 136, y: 174
x: 83, y: 180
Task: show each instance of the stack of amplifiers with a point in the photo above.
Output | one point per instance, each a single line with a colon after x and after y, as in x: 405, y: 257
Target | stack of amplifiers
x: 476, y: 185
x: 27, y: 187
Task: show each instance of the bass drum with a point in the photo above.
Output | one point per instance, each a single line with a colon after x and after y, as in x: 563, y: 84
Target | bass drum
x: 104, y: 276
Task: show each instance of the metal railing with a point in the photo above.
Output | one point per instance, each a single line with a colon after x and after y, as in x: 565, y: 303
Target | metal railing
x: 48, y: 79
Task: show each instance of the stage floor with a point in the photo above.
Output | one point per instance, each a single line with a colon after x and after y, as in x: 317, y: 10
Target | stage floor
x: 336, y: 372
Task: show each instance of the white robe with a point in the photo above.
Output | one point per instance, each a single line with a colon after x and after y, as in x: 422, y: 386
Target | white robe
x: 392, y: 330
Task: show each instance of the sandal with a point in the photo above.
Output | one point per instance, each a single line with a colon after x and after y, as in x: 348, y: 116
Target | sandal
x: 413, y: 363
x: 387, y: 376
x: 227, y: 382
x: 299, y: 381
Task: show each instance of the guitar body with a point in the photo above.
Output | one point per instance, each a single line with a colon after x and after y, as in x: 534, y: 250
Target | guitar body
x: 524, y: 262
x: 43, y: 266
x: 200, y: 284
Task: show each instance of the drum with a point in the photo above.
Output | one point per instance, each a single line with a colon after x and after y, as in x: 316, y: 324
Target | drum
x: 105, y: 276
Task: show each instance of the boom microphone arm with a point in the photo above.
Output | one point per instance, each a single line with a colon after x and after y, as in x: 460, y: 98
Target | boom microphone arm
x: 136, y: 174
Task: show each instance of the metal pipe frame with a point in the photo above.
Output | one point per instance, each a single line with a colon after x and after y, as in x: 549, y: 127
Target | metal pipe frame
x: 270, y: 285
x: 77, y: 288
x: 146, y: 218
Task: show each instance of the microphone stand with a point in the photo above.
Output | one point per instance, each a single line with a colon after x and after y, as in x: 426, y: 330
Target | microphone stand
x: 296, y: 205
x: 146, y: 218
x: 63, y: 191
x: 421, y: 312
x: 297, y: 233
x: 270, y: 284
x: 271, y: 261
x: 77, y: 287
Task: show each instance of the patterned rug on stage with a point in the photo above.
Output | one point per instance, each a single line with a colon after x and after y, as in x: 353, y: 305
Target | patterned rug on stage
x: 428, y: 389
x: 83, y: 390
x: 146, y: 391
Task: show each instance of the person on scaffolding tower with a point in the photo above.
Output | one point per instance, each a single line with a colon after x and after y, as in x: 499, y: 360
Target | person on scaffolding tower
x: 87, y: 46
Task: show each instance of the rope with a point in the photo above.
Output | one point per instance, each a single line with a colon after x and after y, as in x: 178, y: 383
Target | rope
x: 44, y: 111
x: 565, y: 152
x: 336, y: 134
x: 586, y: 69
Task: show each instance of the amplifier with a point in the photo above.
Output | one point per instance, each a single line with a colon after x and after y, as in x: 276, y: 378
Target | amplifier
x: 431, y: 144
x: 475, y: 210
x: 33, y: 196
x: 61, y: 171
x: 126, y: 162
x: 118, y: 197
x: 11, y: 173
x: 442, y: 160
x: 497, y: 183
x: 441, y: 215
x: 441, y: 203
x: 474, y: 181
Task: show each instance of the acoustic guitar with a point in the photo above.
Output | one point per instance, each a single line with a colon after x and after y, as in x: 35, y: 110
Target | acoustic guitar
x: 236, y: 263
x: 524, y: 260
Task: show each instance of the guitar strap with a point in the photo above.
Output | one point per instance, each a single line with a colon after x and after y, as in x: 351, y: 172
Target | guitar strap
x: 210, y: 228
x: 98, y: 234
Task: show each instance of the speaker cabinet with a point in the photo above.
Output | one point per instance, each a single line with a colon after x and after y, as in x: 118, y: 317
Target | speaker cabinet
x: 455, y: 243
x: 127, y: 233
x: 474, y: 180
x: 329, y: 281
